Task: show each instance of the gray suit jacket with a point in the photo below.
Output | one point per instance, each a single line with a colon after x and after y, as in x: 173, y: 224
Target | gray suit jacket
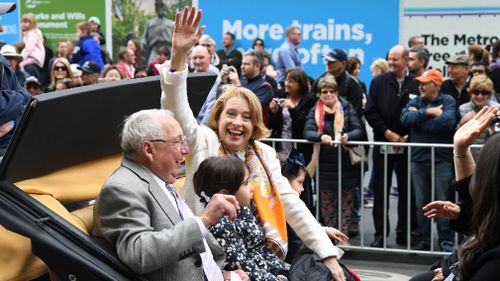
x: 135, y: 215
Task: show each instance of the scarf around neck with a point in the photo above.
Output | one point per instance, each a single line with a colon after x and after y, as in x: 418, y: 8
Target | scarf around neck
x: 267, y: 200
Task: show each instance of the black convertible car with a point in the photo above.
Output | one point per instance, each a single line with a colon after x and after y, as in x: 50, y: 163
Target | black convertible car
x: 64, y: 147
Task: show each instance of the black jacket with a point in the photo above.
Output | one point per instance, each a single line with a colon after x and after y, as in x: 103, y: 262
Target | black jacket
x: 385, y: 103
x: 449, y: 88
x: 298, y: 115
x: 349, y: 89
x: 328, y: 156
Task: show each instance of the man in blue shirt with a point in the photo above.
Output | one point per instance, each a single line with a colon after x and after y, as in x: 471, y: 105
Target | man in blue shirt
x: 432, y: 119
x: 288, y: 55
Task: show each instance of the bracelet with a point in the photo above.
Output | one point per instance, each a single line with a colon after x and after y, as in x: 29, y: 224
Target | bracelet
x: 460, y: 156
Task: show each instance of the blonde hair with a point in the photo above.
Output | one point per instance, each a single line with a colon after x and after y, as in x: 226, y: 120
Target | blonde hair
x: 480, y: 83
x: 64, y: 61
x: 380, y: 64
x: 260, y: 130
x: 29, y: 17
x: 328, y: 81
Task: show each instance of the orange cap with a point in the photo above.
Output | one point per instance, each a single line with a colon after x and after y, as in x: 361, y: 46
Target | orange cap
x: 431, y: 75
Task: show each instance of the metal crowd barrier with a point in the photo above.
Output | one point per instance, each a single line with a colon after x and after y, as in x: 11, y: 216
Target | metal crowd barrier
x: 363, y: 245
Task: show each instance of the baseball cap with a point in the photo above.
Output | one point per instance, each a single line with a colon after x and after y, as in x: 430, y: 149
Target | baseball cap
x: 458, y: 59
x: 6, y: 8
x: 9, y: 51
x: 431, y: 75
x: 90, y: 67
x: 335, y: 55
x: 95, y: 19
x: 32, y: 80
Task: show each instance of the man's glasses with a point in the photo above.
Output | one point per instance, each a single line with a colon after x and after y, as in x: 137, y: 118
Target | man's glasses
x: 478, y: 71
x: 60, y: 68
x: 180, y: 142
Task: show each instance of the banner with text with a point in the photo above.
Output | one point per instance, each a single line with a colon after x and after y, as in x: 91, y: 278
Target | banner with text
x: 57, y: 18
x: 11, y: 27
x: 448, y: 27
x: 356, y: 26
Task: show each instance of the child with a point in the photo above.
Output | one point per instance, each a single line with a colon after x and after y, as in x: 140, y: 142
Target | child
x: 242, y: 239
x: 87, y: 49
x: 294, y: 170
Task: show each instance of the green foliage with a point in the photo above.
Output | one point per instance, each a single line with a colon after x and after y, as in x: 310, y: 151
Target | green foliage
x: 133, y: 19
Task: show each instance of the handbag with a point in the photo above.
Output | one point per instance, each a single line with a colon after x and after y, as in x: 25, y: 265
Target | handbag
x: 356, y: 154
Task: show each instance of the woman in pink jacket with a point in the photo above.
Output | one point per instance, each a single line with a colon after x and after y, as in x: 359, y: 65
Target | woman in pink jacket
x: 33, y: 52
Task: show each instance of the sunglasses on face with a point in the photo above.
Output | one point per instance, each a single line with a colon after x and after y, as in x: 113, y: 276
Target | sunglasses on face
x: 60, y: 68
x: 478, y: 71
x: 328, y: 91
x: 480, y: 93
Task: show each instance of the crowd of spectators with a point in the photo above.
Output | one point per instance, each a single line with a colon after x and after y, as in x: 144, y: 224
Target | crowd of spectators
x: 407, y: 101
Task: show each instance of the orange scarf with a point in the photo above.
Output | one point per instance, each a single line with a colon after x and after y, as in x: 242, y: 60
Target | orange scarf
x: 271, y: 211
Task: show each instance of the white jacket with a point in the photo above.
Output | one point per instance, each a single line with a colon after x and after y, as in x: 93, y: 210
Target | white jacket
x: 203, y: 142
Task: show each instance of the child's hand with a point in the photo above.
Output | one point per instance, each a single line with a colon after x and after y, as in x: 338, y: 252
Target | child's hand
x: 336, y: 235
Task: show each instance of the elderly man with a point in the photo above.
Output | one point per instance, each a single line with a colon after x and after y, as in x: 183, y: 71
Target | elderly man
x: 209, y: 43
x: 200, y: 62
x: 288, y: 55
x: 389, y: 93
x: 432, y: 119
x: 458, y: 82
x: 140, y: 213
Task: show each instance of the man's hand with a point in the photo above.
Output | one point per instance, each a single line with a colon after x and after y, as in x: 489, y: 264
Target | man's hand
x: 393, y: 137
x: 333, y: 265
x: 6, y: 128
x: 233, y: 76
x: 185, y: 35
x: 219, y: 205
x: 412, y: 108
x: 434, y: 111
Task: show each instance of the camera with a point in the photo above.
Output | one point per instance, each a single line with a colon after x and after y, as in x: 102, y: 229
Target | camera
x: 278, y: 101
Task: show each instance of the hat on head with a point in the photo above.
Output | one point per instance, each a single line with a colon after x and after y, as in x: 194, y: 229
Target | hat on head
x: 9, y: 51
x: 90, y: 67
x: 336, y: 55
x: 431, y: 76
x: 458, y: 59
x: 6, y: 8
x: 32, y: 80
x: 95, y: 19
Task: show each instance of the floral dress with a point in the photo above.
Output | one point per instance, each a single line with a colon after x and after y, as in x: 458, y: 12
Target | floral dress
x: 243, y: 242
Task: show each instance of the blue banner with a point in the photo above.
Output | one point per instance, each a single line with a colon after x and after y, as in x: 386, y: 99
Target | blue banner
x: 11, y: 27
x: 364, y: 29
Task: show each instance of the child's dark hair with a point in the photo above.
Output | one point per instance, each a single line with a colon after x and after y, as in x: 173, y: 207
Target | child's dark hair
x: 293, y: 165
x: 215, y: 173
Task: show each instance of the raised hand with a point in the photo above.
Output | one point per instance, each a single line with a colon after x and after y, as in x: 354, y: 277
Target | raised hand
x: 185, y: 34
x: 468, y: 133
